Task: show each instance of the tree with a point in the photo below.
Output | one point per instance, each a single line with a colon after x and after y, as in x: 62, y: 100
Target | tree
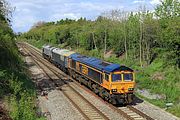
x: 38, y: 24
x: 5, y: 11
x: 122, y: 17
x: 168, y: 9
x: 169, y: 19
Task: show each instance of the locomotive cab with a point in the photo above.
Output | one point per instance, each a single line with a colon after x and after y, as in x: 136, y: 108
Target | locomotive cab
x: 122, y: 82
x: 121, y: 85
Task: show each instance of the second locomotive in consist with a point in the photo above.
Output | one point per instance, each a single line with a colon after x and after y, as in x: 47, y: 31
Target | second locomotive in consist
x: 111, y: 81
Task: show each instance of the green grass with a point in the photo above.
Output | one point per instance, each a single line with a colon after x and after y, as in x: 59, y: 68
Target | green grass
x: 36, y: 43
x: 169, y: 86
x: 19, y: 94
x: 16, y: 88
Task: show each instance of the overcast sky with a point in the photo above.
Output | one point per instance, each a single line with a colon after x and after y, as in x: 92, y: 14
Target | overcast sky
x: 28, y: 12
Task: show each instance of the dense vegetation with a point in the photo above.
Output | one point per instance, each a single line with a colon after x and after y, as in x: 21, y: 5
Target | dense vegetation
x: 16, y: 89
x: 149, y: 42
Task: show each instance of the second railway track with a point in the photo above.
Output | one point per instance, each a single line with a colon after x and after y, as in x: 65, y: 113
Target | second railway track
x: 88, y: 110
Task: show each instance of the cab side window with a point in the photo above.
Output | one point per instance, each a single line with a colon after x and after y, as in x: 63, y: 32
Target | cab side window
x: 106, y: 77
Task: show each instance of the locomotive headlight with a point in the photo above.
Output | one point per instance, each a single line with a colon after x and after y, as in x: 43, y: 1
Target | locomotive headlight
x: 114, y: 90
x: 130, y: 89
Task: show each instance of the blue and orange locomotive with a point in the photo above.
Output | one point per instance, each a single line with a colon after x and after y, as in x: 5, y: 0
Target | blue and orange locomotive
x: 111, y: 81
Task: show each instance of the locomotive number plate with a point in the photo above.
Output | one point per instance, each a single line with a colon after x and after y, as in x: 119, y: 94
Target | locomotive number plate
x: 84, y: 70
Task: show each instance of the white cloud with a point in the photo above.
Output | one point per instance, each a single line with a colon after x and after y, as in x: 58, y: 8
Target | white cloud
x: 71, y: 15
x: 24, y: 20
x: 91, y: 6
x: 99, y: 6
x: 30, y: 11
x: 26, y: 4
x: 65, y: 15
x: 155, y: 2
x: 22, y: 23
x: 138, y: 1
x: 83, y: 9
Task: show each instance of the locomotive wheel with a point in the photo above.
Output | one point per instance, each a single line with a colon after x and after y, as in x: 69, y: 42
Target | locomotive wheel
x: 89, y: 84
x: 68, y: 72
x: 130, y: 98
x: 94, y: 86
x: 113, y: 101
x: 77, y: 77
x: 107, y: 98
x: 80, y: 79
x: 73, y: 74
x: 102, y: 92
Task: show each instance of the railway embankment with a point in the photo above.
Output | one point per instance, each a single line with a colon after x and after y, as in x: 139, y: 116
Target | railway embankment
x: 17, y: 91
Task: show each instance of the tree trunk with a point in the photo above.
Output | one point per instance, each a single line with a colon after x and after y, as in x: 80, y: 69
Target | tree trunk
x: 94, y: 41
x: 148, y: 52
x: 140, y: 46
x: 134, y: 49
x: 77, y: 43
x: 105, y: 39
x: 125, y: 41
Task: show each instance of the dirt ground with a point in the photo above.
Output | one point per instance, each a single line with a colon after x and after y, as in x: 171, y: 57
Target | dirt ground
x: 3, y: 113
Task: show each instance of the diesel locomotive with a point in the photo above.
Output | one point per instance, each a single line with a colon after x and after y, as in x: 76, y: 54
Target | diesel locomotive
x: 113, y: 82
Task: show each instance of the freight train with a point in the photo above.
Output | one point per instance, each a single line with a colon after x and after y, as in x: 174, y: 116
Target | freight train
x: 113, y: 82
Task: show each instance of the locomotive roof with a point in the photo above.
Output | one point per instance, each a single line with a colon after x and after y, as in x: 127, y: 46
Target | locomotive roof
x: 58, y: 50
x: 47, y: 46
x: 63, y: 52
x: 67, y: 53
x: 96, y: 63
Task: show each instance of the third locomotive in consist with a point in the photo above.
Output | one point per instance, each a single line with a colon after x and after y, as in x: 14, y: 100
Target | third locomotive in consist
x: 113, y: 82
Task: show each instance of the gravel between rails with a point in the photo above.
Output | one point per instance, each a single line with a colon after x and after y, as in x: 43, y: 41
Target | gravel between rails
x: 60, y: 108
x: 55, y: 106
x: 112, y: 114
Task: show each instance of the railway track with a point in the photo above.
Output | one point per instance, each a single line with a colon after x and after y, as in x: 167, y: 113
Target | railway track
x: 133, y: 114
x: 88, y: 110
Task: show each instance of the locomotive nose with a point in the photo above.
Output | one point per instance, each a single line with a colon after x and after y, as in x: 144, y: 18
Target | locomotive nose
x: 123, y: 87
